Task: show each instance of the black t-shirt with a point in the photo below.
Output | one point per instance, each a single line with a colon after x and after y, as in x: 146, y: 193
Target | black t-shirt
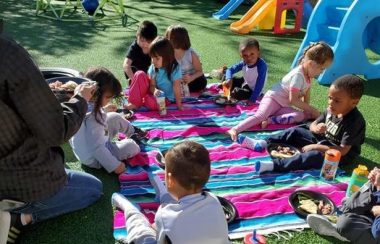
x: 140, y: 61
x: 347, y: 130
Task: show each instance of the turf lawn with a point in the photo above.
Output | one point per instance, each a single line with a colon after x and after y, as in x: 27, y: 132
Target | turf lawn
x: 79, y: 45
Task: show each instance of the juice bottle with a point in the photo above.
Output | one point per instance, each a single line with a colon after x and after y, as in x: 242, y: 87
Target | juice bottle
x: 161, y: 104
x: 358, y: 178
x: 330, y: 164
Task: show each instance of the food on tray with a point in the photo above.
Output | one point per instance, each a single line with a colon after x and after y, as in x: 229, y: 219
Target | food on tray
x: 283, y: 152
x: 314, y: 206
x: 68, y: 86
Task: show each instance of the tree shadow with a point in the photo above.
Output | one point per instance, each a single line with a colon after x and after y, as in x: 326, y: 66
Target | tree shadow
x: 372, y: 88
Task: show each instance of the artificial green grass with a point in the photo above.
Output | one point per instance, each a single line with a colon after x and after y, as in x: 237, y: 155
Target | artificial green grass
x: 79, y: 45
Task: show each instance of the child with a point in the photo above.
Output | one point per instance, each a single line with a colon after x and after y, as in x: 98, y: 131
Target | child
x: 94, y: 143
x: 292, y: 91
x: 340, y: 127
x: 188, y: 59
x: 164, y: 75
x: 137, y: 57
x: 254, y: 71
x: 186, y: 214
x: 360, y: 220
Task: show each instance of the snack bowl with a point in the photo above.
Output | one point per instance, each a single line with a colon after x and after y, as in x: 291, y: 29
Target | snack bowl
x: 160, y: 158
x: 229, y: 209
x: 316, y: 197
x: 274, y: 153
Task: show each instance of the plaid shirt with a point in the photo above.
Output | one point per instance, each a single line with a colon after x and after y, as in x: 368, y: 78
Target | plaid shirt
x: 32, y: 126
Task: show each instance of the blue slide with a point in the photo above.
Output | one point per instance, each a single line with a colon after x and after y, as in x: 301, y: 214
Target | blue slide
x: 227, y: 9
x: 349, y: 27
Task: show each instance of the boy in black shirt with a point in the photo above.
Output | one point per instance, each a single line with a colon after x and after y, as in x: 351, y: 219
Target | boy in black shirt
x: 137, y: 57
x: 340, y: 127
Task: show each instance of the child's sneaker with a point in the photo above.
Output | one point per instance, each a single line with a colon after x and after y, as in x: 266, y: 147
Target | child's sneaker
x: 261, y: 167
x: 253, y: 144
x: 10, y: 227
x: 321, y: 225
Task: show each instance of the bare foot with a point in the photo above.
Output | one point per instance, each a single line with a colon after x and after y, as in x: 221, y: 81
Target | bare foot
x: 264, y: 124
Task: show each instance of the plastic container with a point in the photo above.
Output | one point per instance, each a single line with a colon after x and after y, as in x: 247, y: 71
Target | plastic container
x: 254, y: 238
x: 185, y: 89
x: 226, y: 91
x: 253, y: 144
x: 330, y: 164
x: 161, y: 104
x: 358, y: 178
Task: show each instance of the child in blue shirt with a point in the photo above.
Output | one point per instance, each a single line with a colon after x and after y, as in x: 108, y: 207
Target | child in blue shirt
x: 186, y: 214
x: 254, y: 71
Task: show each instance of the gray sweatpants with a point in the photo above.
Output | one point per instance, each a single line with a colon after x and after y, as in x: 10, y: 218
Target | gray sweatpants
x: 356, y: 222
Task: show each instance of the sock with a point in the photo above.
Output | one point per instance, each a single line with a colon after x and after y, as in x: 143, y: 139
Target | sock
x: 257, y: 145
x: 261, y: 167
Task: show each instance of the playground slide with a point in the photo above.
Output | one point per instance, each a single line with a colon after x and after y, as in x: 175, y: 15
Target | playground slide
x: 227, y: 9
x: 253, y: 16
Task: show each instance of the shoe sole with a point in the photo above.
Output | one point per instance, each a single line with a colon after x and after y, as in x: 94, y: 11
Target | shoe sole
x: 324, y: 227
x: 5, y: 223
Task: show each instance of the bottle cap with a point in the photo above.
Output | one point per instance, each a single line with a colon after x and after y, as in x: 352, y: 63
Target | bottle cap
x: 332, y: 155
x: 361, y: 170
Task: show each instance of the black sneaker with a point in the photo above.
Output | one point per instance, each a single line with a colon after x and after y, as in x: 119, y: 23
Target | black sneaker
x: 10, y: 227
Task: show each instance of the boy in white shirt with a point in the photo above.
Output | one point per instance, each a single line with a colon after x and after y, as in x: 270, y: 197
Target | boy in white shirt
x: 186, y: 214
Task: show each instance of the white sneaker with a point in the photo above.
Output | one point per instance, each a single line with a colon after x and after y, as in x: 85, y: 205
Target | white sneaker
x: 321, y: 225
x: 5, y: 222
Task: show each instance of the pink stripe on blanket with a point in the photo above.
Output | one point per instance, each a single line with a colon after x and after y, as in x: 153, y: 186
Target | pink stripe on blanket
x: 141, y: 176
x: 234, y: 151
x: 232, y: 170
x: 276, y: 202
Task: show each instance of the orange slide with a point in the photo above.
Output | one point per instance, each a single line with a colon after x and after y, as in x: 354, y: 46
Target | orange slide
x: 254, y: 16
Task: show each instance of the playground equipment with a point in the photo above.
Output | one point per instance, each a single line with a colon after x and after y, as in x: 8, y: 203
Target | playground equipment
x: 269, y: 14
x: 227, y: 9
x: 351, y: 27
x: 307, y: 10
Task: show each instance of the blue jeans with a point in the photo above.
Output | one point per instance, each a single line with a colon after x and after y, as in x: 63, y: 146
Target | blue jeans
x: 81, y: 190
x: 298, y: 137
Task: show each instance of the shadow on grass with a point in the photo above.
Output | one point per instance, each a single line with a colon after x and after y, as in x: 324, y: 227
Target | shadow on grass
x: 372, y: 88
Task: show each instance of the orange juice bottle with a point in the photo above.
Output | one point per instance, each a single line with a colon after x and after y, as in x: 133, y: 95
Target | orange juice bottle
x: 330, y: 164
x: 226, y: 91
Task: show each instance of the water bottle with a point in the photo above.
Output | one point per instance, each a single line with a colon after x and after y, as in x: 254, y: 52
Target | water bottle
x: 253, y: 144
x: 358, y: 178
x: 161, y: 103
x: 330, y: 164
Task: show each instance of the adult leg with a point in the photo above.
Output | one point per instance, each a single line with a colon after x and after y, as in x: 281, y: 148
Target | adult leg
x: 80, y: 191
x: 117, y: 124
x: 306, y: 160
x: 198, y: 84
x: 138, y: 89
x: 356, y: 228
x: 297, y: 137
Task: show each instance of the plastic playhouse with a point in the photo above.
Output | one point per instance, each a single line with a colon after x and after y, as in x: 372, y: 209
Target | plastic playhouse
x: 351, y: 28
x: 270, y: 14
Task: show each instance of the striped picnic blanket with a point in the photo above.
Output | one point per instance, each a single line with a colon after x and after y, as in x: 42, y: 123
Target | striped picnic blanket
x: 261, y: 201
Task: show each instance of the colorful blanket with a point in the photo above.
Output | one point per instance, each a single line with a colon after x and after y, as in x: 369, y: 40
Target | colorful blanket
x: 261, y: 201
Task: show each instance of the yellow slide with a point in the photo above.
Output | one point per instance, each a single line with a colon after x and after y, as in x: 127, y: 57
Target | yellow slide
x: 254, y: 15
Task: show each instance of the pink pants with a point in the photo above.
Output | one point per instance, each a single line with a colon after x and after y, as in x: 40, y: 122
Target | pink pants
x: 277, y: 114
x: 139, y: 93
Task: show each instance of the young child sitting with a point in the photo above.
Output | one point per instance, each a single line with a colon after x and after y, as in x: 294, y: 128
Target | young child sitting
x: 188, y: 59
x: 254, y: 71
x: 340, y: 127
x: 186, y: 214
x: 94, y: 143
x: 360, y: 218
x: 293, y: 90
x: 137, y: 57
x: 164, y: 75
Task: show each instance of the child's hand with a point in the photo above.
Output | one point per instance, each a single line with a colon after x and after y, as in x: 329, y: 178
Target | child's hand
x: 157, y: 92
x: 85, y: 90
x: 227, y: 83
x: 375, y: 210
x: 308, y: 148
x: 110, y: 108
x: 320, y: 128
x: 186, y: 78
x: 233, y: 133
x: 374, y: 177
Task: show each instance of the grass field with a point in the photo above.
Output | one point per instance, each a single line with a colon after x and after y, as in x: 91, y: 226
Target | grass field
x: 79, y: 45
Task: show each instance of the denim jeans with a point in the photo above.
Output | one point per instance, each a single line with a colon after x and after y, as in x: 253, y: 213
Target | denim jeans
x: 81, y: 190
